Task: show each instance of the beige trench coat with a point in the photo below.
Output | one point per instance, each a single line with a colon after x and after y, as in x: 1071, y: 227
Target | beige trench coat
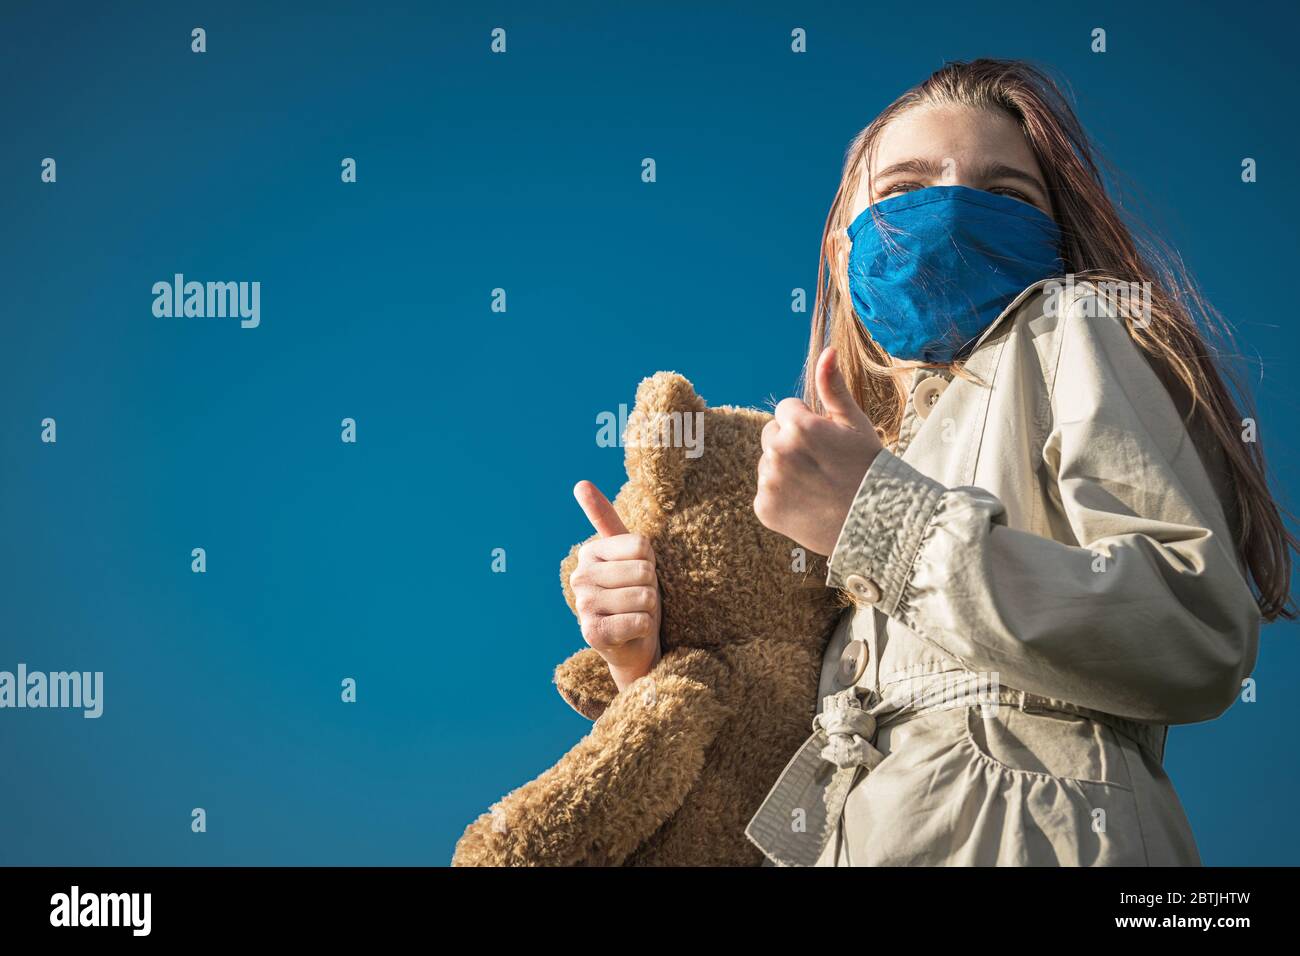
x: 1044, y: 580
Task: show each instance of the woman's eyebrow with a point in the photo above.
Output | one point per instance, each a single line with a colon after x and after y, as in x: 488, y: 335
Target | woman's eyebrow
x: 917, y: 167
x: 991, y: 171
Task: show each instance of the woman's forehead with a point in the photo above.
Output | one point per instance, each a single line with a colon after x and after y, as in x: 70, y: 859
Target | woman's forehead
x: 950, y: 136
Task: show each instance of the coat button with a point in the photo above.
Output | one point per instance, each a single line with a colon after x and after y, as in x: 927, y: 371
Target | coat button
x: 926, y: 395
x: 853, y: 662
x: 863, y: 588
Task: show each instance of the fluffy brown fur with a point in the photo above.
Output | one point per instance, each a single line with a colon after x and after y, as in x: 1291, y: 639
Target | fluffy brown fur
x: 675, y: 765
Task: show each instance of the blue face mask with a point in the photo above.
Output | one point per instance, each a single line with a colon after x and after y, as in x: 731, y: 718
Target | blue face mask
x: 944, y: 265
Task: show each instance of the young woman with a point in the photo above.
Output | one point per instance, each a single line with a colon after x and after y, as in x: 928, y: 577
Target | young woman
x: 1026, y: 469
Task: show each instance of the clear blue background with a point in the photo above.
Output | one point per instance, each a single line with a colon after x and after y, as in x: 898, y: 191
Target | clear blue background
x: 522, y: 171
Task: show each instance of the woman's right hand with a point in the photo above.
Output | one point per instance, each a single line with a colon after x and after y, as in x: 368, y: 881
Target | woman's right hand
x: 616, y: 591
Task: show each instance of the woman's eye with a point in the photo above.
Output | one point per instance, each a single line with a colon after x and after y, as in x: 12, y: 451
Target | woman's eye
x: 1013, y: 193
x: 895, y: 189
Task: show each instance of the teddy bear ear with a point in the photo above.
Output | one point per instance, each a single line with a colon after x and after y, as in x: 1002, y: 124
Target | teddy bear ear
x: 665, y: 427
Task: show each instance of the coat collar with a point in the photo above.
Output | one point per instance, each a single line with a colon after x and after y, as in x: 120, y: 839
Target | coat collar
x: 1012, y: 308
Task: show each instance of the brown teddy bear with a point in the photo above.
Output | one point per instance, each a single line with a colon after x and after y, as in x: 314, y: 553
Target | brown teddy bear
x: 675, y: 766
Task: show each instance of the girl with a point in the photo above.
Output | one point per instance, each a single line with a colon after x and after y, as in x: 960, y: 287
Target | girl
x: 1027, y: 471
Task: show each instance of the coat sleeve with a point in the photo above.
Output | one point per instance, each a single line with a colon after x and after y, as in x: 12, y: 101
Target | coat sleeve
x: 1140, y: 610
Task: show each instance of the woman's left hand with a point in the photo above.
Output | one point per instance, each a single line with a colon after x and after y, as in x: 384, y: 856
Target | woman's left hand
x: 812, y: 466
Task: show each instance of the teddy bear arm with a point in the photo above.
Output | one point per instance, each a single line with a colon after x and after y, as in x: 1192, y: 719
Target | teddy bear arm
x: 616, y: 787
x: 585, y: 683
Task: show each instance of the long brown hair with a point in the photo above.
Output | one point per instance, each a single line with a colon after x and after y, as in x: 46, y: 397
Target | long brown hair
x: 1174, y: 330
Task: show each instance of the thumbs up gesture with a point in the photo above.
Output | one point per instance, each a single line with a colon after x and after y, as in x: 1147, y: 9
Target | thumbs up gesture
x: 616, y: 591
x: 812, y: 465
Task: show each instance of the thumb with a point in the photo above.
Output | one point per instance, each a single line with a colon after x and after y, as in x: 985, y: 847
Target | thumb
x: 598, y: 510
x: 836, y: 398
